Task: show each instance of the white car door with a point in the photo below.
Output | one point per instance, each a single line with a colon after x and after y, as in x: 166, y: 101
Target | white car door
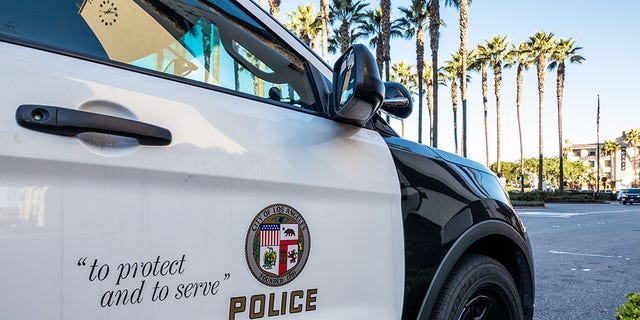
x: 258, y: 205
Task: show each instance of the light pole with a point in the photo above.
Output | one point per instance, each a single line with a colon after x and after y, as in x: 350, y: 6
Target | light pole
x: 598, y: 148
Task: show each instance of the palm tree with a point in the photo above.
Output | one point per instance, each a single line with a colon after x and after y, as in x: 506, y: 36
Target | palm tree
x: 480, y: 62
x: 434, y: 33
x: 610, y: 148
x: 428, y: 81
x: 413, y: 22
x: 433, y: 11
x: 452, y: 69
x: 336, y: 42
x: 385, y: 37
x: 495, y: 51
x: 463, y: 7
x: 541, y: 44
x: 564, y: 49
x: 274, y: 8
x: 464, y: 26
x: 346, y: 13
x: 404, y: 74
x: 305, y: 24
x: 521, y: 57
x: 372, y: 28
x: 633, y: 138
x: 324, y: 28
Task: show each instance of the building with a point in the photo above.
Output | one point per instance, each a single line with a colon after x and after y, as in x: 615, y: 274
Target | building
x: 618, y: 168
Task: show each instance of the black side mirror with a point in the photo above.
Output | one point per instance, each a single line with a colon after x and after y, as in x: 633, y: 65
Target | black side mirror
x: 358, y: 91
x: 398, y: 101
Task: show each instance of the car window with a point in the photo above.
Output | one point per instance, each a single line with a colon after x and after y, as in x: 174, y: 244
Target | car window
x: 212, y: 42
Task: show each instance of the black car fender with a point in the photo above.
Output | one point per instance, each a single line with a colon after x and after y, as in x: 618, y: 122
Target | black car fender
x: 465, y: 244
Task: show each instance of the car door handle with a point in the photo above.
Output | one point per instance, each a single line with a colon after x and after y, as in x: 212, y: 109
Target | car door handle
x: 69, y: 122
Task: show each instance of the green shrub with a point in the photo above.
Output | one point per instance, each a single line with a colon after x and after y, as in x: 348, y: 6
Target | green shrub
x: 630, y: 310
x: 558, y: 196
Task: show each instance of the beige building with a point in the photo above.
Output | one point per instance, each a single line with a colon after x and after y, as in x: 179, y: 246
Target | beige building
x: 618, y: 168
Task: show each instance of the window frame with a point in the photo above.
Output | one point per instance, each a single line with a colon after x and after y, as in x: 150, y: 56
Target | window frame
x: 312, y: 73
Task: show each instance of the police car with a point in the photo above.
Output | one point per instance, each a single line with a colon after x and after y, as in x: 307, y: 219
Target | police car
x: 192, y: 159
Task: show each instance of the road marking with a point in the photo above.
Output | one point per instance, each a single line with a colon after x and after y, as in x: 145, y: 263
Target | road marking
x: 559, y: 214
x: 588, y: 255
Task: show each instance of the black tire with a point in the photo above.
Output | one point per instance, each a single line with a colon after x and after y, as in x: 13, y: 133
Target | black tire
x: 624, y: 202
x: 478, y: 287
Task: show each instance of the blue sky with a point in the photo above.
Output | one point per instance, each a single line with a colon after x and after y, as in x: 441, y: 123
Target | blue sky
x: 608, y: 35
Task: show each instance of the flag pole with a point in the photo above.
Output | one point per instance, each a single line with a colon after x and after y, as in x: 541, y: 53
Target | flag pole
x: 598, y: 148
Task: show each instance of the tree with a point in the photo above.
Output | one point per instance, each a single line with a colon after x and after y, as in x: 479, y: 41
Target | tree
x: 274, y: 8
x: 428, y: 80
x: 372, y: 28
x: 324, y: 28
x: 404, y: 74
x: 305, y: 24
x: 496, y: 48
x: 336, y: 41
x: 633, y: 138
x: 564, y: 49
x: 609, y: 148
x: 346, y: 13
x: 480, y: 62
x: 434, y: 34
x: 463, y: 8
x: 386, y: 34
x: 413, y: 22
x: 541, y: 44
x: 519, y: 56
x: 452, y: 69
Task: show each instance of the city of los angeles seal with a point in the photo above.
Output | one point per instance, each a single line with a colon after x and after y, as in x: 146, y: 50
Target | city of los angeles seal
x: 277, y: 245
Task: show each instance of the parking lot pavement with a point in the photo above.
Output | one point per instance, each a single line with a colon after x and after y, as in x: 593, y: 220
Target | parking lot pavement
x: 587, y: 258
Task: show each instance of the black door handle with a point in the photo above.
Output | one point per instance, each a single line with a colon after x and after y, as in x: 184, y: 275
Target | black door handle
x: 69, y: 122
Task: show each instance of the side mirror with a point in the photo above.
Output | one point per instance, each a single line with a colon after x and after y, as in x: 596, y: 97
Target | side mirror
x: 358, y: 91
x: 398, y: 101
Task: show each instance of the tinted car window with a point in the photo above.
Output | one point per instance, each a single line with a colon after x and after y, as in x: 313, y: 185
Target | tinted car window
x: 212, y: 42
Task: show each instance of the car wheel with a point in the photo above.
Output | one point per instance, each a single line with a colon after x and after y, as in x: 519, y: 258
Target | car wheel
x: 624, y: 203
x: 478, y: 287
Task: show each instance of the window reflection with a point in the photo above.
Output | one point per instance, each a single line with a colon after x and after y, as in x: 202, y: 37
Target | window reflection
x: 201, y: 42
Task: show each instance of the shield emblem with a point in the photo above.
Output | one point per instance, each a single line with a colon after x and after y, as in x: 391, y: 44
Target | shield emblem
x: 278, y: 247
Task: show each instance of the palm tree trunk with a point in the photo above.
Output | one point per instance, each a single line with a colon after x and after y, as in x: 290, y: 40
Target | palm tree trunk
x: 434, y: 26
x: 274, y: 8
x: 560, y: 88
x: 520, y: 76
x: 454, y: 103
x: 380, y: 56
x: 420, y: 68
x: 464, y: 26
x: 385, y: 6
x: 216, y: 56
x: 497, y: 73
x: 324, y: 14
x: 344, y: 37
x: 485, y: 100
x: 540, y: 68
x: 430, y: 107
x: 635, y: 164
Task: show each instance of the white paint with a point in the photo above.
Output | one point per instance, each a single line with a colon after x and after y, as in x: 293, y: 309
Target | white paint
x: 230, y: 158
x: 587, y: 255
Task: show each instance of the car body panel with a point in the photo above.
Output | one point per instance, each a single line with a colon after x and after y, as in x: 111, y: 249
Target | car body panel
x: 73, y: 205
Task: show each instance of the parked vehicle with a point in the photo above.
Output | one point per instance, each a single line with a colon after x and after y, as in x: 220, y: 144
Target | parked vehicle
x: 630, y: 196
x: 621, y: 192
x: 192, y: 159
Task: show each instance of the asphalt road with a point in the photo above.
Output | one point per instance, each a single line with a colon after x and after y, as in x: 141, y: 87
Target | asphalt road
x: 587, y: 258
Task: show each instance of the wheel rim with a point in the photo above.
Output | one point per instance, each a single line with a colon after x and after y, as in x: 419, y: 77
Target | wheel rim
x: 488, y: 302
